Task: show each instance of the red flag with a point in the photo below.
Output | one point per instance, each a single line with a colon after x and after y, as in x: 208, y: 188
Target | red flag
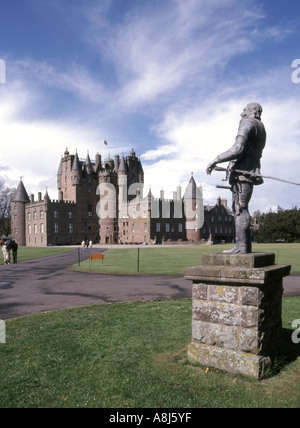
x: 105, y: 142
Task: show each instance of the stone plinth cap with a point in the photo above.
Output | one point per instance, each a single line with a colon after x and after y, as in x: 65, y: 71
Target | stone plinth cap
x: 252, y: 260
x: 251, y: 269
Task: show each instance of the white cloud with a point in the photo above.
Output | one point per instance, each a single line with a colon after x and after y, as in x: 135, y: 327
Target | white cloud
x: 168, y: 63
x: 173, y: 45
x: 194, y: 139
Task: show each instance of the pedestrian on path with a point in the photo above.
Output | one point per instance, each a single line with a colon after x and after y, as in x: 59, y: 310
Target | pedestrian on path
x: 6, y: 254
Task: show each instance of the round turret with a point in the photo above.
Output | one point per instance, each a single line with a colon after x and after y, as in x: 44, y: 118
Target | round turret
x: 18, y: 224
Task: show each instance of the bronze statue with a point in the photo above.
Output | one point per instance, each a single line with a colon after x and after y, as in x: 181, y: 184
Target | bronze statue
x: 243, y: 171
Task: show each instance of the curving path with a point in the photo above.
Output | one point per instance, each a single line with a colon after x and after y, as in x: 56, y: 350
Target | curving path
x: 47, y: 284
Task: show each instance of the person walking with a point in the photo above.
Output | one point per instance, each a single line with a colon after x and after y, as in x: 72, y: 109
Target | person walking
x: 6, y: 255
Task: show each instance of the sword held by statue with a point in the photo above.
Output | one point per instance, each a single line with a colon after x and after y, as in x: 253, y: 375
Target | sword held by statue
x: 251, y: 174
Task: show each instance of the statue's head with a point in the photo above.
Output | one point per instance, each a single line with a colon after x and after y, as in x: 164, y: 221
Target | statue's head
x: 252, y: 110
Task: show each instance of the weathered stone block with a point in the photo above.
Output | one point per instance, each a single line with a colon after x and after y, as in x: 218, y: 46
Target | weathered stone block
x: 249, y: 340
x: 215, y: 334
x: 228, y: 360
x: 249, y: 296
x: 223, y: 293
x: 200, y: 291
x: 226, y: 313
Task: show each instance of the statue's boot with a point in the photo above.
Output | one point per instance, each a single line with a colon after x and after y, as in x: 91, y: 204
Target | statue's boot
x: 233, y: 250
x: 238, y: 249
x: 243, y: 235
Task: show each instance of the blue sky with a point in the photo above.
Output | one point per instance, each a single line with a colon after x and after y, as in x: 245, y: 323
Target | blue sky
x: 168, y: 78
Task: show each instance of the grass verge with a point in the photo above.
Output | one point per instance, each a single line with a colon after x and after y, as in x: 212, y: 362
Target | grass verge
x: 173, y: 260
x: 129, y: 355
x: 28, y: 253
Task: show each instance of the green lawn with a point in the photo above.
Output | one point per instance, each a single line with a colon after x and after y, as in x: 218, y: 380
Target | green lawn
x: 28, y: 253
x: 172, y: 260
x: 129, y: 355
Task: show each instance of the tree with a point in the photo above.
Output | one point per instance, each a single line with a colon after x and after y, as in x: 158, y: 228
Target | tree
x: 6, y: 195
x: 281, y: 226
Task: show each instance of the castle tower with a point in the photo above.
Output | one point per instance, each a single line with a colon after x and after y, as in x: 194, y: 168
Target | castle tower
x: 193, y: 202
x: 122, y: 183
x: 108, y: 184
x: 18, y: 221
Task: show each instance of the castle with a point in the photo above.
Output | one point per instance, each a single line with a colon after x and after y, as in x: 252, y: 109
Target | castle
x: 104, y: 202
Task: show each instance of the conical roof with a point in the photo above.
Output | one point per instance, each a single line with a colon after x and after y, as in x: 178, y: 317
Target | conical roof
x: 122, y: 166
x: 21, y: 194
x: 59, y: 172
x: 192, y: 192
x: 88, y: 164
x: 76, y: 163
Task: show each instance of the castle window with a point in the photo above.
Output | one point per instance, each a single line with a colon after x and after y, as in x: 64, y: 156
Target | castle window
x: 180, y: 227
x: 42, y: 214
x: 167, y: 227
x: 70, y: 228
x: 145, y: 227
x: 35, y: 229
x: 55, y: 214
x: 29, y: 215
x: 70, y: 214
x: 55, y: 228
x: 42, y: 228
x: 34, y: 215
x: 29, y: 229
x: 157, y: 227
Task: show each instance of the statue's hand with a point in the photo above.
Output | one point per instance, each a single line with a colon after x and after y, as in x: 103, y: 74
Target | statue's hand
x: 211, y: 167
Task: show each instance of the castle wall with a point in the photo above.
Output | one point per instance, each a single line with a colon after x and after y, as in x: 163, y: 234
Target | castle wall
x: 86, y: 210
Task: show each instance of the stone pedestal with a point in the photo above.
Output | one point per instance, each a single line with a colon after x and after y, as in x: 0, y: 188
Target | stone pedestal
x: 237, y: 302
